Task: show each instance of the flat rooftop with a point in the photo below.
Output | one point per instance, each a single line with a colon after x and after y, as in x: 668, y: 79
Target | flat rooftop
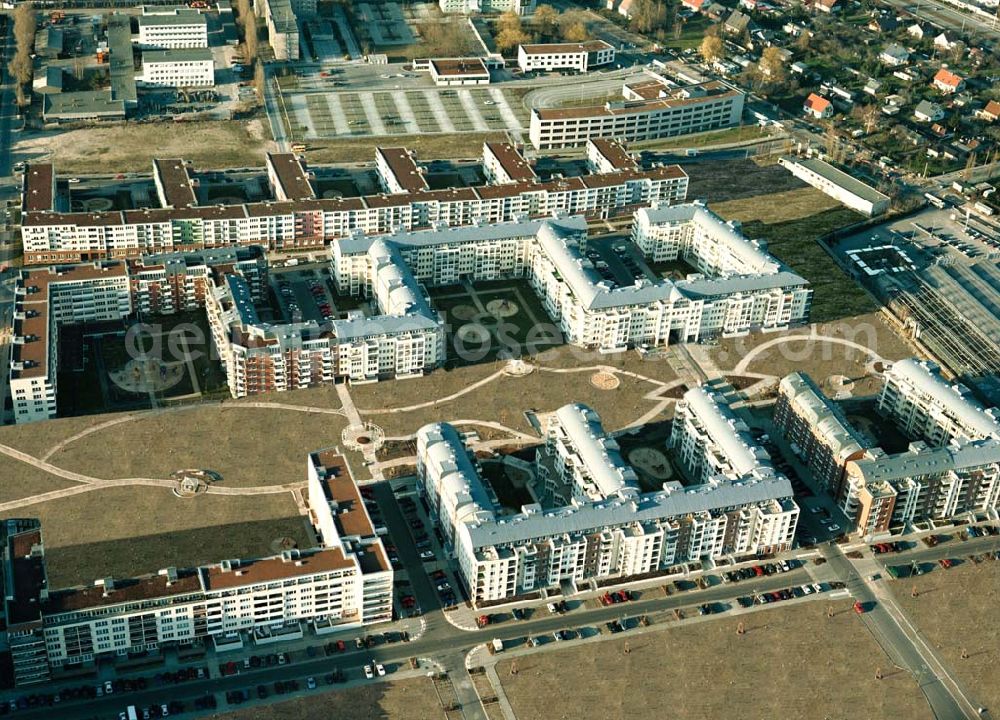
x: 403, y: 168
x: 512, y: 162
x: 176, y: 55
x: 565, y: 48
x: 292, y: 178
x: 175, y: 180
x: 614, y: 152
x: 681, y: 97
x: 458, y: 67
x: 39, y: 179
x: 841, y: 179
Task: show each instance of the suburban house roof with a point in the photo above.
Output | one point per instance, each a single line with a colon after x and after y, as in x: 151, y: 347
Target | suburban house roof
x: 815, y: 103
x: 946, y: 77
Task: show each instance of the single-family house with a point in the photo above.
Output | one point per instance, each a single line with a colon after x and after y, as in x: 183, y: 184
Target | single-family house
x: 826, y: 6
x: 819, y: 107
x: 799, y: 68
x: 872, y: 86
x: 915, y: 30
x: 943, y: 43
x: 693, y: 5
x: 737, y: 23
x: 991, y: 112
x: 926, y: 111
x: 948, y: 82
x: 883, y: 23
x: 894, y: 55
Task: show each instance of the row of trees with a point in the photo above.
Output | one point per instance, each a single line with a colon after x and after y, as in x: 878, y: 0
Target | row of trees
x: 547, y: 22
x: 20, y: 66
x: 247, y: 20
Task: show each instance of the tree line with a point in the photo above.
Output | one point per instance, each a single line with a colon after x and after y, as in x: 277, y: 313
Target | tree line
x: 20, y: 66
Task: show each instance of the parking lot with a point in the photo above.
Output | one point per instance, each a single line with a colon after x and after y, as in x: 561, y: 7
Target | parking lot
x: 334, y: 114
x: 309, y: 294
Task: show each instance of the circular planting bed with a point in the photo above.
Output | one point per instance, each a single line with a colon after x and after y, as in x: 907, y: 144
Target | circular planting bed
x: 605, y: 380
x: 280, y: 545
x: 98, y: 204
x: 502, y: 308
x: 464, y: 312
x: 473, y: 333
x: 652, y: 462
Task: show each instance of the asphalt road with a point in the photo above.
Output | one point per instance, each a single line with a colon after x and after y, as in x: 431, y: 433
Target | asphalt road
x: 441, y: 640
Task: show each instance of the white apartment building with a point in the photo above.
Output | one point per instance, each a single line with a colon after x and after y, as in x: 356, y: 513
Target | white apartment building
x: 668, y: 112
x: 610, y: 530
x: 711, y: 442
x: 470, y: 7
x: 189, y: 68
x: 44, y: 299
x: 344, y: 583
x: 837, y: 184
x: 504, y: 164
x: 938, y: 483
x: 48, y: 298
x: 405, y: 339
x: 172, y: 28
x: 398, y: 172
x: 55, y: 237
x: 739, y: 288
x: 924, y: 406
x: 608, y: 156
x: 579, y: 462
x: 565, y: 56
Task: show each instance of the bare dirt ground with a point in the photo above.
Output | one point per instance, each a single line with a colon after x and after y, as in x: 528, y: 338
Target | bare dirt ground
x: 794, y: 657
x: 132, y: 147
x: 378, y: 701
x: 956, y: 610
x: 776, y: 207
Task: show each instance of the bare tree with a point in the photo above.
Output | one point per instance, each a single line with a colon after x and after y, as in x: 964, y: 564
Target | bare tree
x: 711, y: 48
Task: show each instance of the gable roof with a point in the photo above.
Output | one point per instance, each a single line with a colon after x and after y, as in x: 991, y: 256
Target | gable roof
x: 945, y: 76
x: 816, y: 103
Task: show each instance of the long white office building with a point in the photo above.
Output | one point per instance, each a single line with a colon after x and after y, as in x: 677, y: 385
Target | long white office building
x: 345, y: 582
x: 608, y: 529
x: 660, y: 111
x: 172, y: 28
x: 565, y: 56
x: 918, y: 399
x: 187, y: 68
x: 844, y: 188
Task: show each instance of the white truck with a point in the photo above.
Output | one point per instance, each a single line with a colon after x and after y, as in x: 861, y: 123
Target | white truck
x: 131, y: 713
x: 496, y: 646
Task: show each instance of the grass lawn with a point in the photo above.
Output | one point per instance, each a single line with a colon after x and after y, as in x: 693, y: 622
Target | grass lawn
x: 505, y: 400
x: 36, y: 438
x: 703, y: 139
x: 257, y: 447
x: 776, y: 207
x: 427, y: 147
x: 375, y: 701
x: 126, y: 531
x: 132, y: 147
x: 21, y: 480
x: 956, y: 610
x: 792, y: 657
x: 819, y: 358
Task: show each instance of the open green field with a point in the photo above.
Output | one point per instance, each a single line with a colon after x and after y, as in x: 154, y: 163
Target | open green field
x: 126, y: 531
x: 506, y: 399
x: 819, y: 358
x: 790, y: 658
x: 132, y: 147
x: 247, y: 446
x: 426, y: 147
x: 794, y: 242
x: 956, y: 610
x: 375, y: 701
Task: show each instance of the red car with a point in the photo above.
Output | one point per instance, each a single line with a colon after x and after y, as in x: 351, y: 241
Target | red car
x: 858, y: 607
x: 945, y: 563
